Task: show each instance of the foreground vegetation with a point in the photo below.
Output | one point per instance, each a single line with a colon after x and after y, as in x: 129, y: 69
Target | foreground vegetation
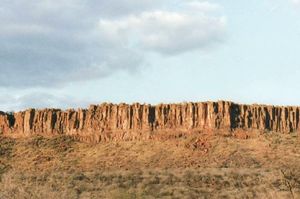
x: 206, y: 166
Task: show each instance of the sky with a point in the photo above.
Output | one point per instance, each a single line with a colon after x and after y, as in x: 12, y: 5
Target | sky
x: 80, y: 52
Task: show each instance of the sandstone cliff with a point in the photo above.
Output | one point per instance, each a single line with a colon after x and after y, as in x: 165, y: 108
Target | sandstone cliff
x: 123, y: 121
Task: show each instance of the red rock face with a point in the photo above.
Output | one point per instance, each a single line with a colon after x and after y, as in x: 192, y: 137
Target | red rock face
x: 123, y: 121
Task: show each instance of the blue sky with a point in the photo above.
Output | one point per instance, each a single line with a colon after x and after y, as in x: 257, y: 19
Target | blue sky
x: 80, y: 52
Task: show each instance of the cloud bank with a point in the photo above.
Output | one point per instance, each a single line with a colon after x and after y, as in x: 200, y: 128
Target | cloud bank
x: 46, y: 44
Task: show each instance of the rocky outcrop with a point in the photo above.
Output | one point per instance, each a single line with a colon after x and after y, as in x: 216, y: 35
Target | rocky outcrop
x: 123, y: 121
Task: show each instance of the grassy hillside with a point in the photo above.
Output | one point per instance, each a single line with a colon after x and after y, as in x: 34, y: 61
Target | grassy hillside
x: 195, y: 166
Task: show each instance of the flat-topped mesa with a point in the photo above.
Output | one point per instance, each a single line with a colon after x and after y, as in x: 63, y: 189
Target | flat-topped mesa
x: 123, y: 121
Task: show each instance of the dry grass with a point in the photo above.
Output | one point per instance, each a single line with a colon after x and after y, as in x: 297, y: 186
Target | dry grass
x: 194, y: 166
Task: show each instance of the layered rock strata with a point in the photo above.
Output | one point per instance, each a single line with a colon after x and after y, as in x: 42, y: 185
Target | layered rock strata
x: 123, y: 121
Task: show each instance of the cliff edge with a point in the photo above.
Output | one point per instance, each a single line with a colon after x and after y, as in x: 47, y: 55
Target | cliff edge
x: 124, y: 121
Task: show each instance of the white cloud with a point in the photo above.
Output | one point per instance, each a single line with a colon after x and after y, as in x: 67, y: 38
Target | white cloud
x: 39, y: 100
x: 45, y: 43
x: 296, y: 2
x: 166, y: 32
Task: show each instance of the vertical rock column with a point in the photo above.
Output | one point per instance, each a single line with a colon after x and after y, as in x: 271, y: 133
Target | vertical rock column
x: 111, y: 120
